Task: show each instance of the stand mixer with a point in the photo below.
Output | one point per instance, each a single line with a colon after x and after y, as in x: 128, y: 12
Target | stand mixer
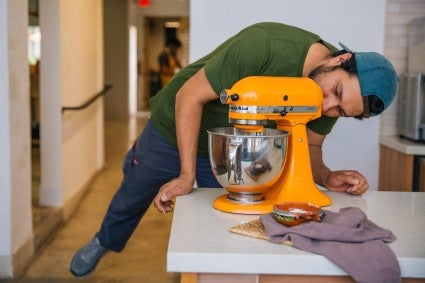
x: 260, y: 167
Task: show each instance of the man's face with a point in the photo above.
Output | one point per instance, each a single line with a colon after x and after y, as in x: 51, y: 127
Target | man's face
x: 341, y: 92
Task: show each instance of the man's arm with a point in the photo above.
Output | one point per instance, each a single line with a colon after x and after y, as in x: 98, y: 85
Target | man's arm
x: 349, y: 181
x: 190, y: 99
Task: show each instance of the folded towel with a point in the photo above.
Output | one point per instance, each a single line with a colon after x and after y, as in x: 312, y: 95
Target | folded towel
x: 348, y: 239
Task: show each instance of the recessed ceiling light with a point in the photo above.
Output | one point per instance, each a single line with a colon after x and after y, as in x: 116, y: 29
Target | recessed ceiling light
x: 172, y: 24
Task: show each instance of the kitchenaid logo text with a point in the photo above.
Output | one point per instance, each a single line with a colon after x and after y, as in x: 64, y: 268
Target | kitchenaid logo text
x: 272, y: 109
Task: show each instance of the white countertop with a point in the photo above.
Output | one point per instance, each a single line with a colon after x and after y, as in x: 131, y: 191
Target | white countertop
x: 403, y: 145
x: 201, y: 243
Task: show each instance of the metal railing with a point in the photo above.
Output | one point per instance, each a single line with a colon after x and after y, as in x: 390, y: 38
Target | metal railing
x: 105, y: 89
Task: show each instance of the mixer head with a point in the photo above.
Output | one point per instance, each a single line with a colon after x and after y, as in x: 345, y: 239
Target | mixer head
x: 287, y: 100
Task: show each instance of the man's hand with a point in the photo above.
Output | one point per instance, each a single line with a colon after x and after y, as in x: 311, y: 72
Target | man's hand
x: 176, y: 187
x: 349, y: 181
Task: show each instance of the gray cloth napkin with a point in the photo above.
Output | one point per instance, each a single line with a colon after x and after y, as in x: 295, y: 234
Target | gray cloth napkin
x: 348, y: 239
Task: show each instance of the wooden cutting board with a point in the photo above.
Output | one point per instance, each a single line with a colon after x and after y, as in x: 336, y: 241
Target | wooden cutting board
x: 253, y: 229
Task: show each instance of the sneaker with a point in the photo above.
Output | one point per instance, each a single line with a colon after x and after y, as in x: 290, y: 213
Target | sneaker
x: 85, y: 260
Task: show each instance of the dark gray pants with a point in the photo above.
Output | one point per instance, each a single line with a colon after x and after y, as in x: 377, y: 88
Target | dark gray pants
x: 149, y: 164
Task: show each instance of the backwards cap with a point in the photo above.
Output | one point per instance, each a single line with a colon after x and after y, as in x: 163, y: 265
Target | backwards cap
x: 377, y: 78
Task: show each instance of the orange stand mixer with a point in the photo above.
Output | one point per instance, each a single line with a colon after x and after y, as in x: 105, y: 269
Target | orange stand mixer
x: 254, y: 102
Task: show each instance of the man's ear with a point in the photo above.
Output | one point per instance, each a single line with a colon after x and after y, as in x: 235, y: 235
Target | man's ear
x: 338, y: 60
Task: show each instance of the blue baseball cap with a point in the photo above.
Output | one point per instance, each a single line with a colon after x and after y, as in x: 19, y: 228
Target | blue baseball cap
x: 378, y: 81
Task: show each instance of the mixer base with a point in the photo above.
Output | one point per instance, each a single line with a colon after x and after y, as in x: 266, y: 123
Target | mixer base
x: 227, y: 204
x: 245, y: 197
x: 259, y: 207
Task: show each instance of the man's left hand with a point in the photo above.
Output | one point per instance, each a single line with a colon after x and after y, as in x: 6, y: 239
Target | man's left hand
x: 349, y: 181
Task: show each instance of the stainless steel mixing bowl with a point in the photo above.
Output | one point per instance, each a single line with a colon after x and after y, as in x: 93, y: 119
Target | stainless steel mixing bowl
x: 246, y: 164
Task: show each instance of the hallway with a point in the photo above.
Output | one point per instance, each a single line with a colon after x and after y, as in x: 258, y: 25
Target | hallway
x: 143, y: 259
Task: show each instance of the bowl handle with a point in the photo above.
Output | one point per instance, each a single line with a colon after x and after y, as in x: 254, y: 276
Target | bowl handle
x: 234, y: 163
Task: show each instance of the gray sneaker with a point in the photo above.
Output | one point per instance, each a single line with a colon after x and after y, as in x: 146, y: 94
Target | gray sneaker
x: 85, y: 259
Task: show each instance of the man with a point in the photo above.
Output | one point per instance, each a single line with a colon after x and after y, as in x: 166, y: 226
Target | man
x: 168, y: 61
x: 172, y: 150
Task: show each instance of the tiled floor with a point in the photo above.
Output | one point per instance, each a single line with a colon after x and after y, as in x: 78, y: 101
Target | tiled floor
x: 143, y: 259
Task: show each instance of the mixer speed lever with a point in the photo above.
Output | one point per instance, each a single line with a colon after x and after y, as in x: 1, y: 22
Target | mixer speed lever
x: 285, y: 110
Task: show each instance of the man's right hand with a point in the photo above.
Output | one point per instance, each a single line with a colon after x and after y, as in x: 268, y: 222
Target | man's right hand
x: 179, y: 186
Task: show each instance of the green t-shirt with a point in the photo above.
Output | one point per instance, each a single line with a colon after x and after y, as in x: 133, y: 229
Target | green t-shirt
x: 263, y: 49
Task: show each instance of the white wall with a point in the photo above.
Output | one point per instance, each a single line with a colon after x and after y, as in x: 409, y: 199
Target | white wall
x: 359, y: 24
x: 15, y: 164
x: 82, y: 78
x: 116, y: 38
x: 5, y: 180
x: 71, y: 73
